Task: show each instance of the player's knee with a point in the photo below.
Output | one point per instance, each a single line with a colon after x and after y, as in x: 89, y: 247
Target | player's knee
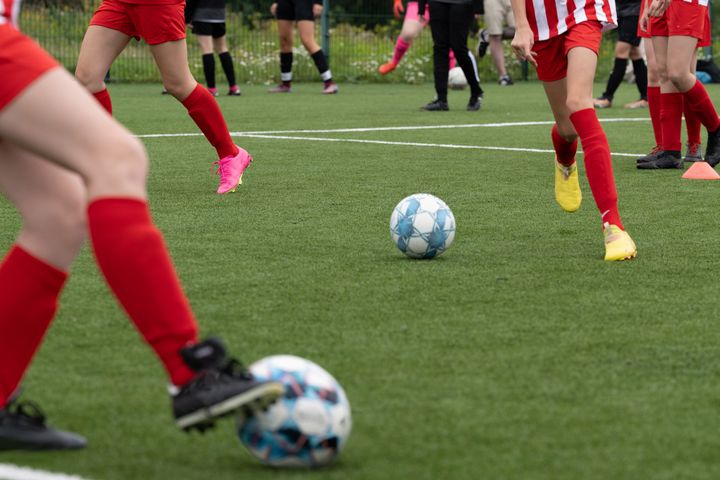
x: 179, y: 88
x: 61, y: 221
x: 677, y: 76
x: 89, y: 79
x: 575, y: 103
x: 309, y: 43
x: 124, y: 165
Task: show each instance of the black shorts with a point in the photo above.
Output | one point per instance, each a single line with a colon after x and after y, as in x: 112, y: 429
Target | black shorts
x: 627, y: 30
x: 215, y: 30
x: 295, y: 10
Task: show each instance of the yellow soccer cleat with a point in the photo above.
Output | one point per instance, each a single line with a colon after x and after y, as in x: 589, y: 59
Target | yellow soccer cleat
x: 567, y: 187
x: 618, y: 244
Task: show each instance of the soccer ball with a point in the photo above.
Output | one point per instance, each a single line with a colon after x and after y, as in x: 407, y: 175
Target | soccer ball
x: 308, y: 426
x: 422, y: 226
x: 456, y: 79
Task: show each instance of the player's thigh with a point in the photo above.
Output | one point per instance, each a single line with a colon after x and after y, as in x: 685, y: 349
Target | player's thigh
x: 680, y: 53
x: 171, y: 59
x: 582, y: 63
x: 73, y: 131
x: 100, y: 47
x: 411, y: 28
x: 206, y: 43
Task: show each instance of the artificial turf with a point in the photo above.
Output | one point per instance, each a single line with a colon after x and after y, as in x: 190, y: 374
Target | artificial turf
x: 518, y: 354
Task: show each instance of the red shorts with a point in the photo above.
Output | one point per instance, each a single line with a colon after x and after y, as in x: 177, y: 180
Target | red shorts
x: 640, y: 32
x: 552, y: 53
x: 681, y: 19
x: 22, y: 61
x: 156, y: 23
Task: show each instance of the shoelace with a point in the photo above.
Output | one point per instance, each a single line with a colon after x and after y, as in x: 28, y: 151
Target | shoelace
x: 29, y: 411
x: 220, y: 168
x: 206, y: 379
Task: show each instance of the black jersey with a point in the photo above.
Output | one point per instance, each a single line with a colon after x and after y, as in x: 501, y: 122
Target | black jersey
x: 208, y: 11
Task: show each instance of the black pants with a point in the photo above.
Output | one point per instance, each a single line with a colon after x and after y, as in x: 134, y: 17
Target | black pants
x: 450, y: 24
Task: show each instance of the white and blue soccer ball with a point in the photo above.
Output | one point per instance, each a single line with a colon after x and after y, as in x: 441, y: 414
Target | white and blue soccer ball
x: 422, y: 226
x: 308, y: 426
x: 456, y: 79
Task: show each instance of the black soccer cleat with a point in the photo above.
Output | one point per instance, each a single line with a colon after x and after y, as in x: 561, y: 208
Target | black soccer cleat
x: 654, y: 153
x: 23, y: 427
x: 221, y: 387
x: 483, y: 44
x: 712, y: 152
x: 666, y: 159
x: 474, y: 104
x: 436, y: 106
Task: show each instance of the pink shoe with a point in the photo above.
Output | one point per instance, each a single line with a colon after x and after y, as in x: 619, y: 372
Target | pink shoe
x: 213, y: 91
x: 282, y: 88
x: 330, y: 88
x: 231, y: 170
x: 234, y: 91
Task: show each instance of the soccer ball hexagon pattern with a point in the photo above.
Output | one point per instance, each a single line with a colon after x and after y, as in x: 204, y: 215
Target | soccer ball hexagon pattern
x: 308, y: 426
x: 422, y: 226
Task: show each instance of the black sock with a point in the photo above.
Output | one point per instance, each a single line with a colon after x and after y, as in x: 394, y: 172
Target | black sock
x: 208, y: 60
x: 441, y: 94
x: 227, y: 66
x: 322, y: 66
x: 616, y: 77
x: 641, y: 81
x: 286, y: 61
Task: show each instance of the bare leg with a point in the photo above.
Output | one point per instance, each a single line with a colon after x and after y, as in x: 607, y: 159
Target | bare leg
x: 172, y: 61
x: 498, y: 54
x: 100, y: 47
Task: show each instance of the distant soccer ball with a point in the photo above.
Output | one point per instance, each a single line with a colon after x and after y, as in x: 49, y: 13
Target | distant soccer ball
x: 308, y: 426
x: 422, y: 226
x: 456, y: 79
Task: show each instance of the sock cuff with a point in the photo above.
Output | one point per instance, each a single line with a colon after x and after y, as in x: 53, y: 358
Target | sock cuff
x: 20, y: 260
x: 559, y: 138
x: 207, y: 55
x: 224, y: 54
x: 109, y: 211
x: 195, y: 96
x: 401, y: 41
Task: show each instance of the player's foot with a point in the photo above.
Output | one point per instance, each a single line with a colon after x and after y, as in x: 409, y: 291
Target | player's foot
x: 213, y: 91
x: 505, y: 80
x: 483, y: 44
x: 165, y: 92
x: 642, y: 103
x: 652, y: 155
x: 231, y: 170
x: 602, y: 102
x: 221, y: 387
x: 23, y: 427
x: 474, y: 104
x: 693, y: 152
x: 666, y: 159
x: 234, y: 91
x: 330, y: 88
x: 618, y: 244
x: 567, y: 187
x: 386, y: 68
x: 712, y: 152
x: 282, y: 88
x: 436, y: 106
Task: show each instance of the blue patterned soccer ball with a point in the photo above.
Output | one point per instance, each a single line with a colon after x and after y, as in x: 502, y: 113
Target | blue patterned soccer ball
x: 308, y: 426
x: 422, y: 226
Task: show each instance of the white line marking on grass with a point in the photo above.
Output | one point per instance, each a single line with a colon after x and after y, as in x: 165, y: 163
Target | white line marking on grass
x: 390, y: 129
x: 416, y: 144
x: 13, y: 472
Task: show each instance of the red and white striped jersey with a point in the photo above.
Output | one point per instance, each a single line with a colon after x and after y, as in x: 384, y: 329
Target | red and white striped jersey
x: 550, y: 18
x: 9, y: 10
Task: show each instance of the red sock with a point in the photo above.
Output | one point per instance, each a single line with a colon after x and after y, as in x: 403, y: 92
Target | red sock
x: 653, y: 97
x: 671, y: 120
x: 699, y: 102
x: 29, y: 290
x: 598, y: 166
x: 103, y: 97
x: 133, y: 258
x: 451, y: 57
x: 206, y: 114
x: 692, y: 124
x: 564, y: 150
x: 401, y: 47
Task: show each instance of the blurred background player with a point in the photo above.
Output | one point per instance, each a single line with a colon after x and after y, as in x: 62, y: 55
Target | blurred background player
x: 563, y: 46
x: 412, y: 26
x: 627, y: 48
x: 497, y: 12
x: 450, y: 23
x: 677, y: 27
x: 693, y: 147
x: 303, y: 13
x: 207, y: 19
x: 72, y: 171
x: 161, y: 23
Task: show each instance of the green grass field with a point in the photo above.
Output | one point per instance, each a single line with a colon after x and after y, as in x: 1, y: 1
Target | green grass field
x: 518, y: 354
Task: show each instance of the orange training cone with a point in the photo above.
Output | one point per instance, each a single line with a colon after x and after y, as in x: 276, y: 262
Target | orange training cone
x: 701, y: 171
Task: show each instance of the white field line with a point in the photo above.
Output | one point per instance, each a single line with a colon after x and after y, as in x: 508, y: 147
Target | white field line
x: 279, y: 135
x: 13, y: 472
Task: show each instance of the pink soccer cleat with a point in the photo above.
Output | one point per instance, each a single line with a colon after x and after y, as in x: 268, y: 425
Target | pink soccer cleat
x: 330, y: 88
x: 282, y: 88
x: 231, y: 170
x: 213, y: 91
